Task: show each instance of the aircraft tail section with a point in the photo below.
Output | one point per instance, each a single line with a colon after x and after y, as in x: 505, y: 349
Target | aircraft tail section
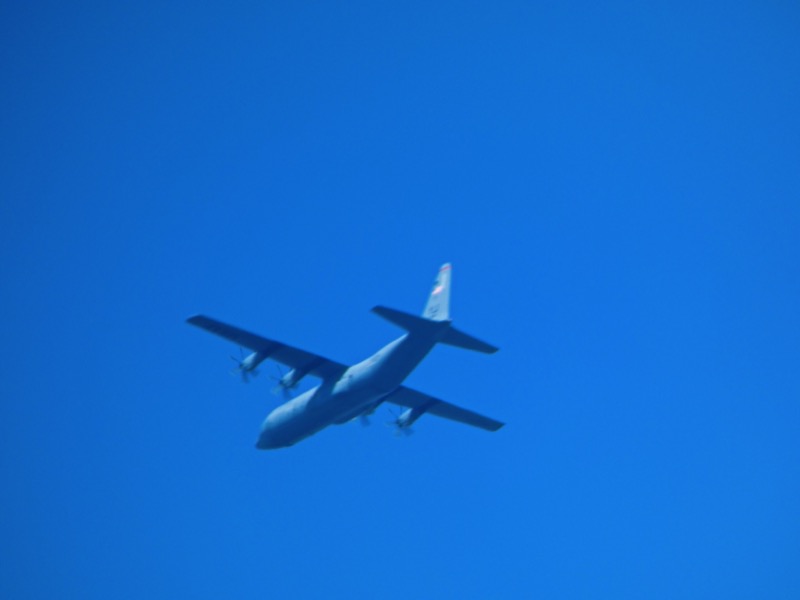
x: 459, y: 339
x: 435, y: 320
x: 438, y: 306
x: 446, y: 333
x: 409, y: 322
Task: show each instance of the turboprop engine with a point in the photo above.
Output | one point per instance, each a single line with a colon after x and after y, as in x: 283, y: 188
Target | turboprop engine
x: 247, y: 365
x: 407, y: 419
x: 289, y: 381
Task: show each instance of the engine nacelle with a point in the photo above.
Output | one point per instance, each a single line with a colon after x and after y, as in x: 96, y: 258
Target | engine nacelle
x: 291, y: 379
x: 252, y: 361
x: 408, y: 416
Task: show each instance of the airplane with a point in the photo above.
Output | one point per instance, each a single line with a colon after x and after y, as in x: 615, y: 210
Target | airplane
x: 354, y: 392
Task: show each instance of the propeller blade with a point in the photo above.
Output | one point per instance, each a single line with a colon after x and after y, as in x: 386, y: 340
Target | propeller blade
x: 403, y: 432
x: 399, y: 431
x: 239, y: 370
x: 287, y: 392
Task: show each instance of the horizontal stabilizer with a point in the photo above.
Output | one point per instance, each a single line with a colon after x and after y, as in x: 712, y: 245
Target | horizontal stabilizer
x: 459, y: 339
x: 409, y: 322
x: 452, y: 336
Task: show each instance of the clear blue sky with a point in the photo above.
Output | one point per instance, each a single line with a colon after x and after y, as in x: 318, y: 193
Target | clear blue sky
x: 617, y: 187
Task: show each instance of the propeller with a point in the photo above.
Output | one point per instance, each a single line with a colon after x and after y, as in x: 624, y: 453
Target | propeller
x: 281, y: 387
x: 363, y: 418
x: 242, y: 369
x: 401, y: 429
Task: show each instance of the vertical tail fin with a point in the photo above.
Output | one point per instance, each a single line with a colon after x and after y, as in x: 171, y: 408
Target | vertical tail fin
x: 438, y: 306
x: 432, y: 323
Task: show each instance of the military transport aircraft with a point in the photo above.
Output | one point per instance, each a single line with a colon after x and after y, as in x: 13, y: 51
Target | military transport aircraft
x: 348, y: 393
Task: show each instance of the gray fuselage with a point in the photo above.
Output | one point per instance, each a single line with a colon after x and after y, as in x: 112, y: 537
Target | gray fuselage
x: 359, y: 390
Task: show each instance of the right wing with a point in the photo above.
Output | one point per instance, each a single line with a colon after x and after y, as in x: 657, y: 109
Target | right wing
x: 409, y: 398
x: 307, y: 362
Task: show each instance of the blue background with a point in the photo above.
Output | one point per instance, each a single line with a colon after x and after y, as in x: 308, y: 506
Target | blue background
x: 617, y: 188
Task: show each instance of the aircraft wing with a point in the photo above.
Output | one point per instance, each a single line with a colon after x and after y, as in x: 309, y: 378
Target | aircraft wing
x: 409, y: 398
x: 310, y: 363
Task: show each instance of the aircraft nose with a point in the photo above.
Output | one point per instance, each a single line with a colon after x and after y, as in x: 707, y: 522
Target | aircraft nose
x: 263, y: 441
x: 267, y: 440
x: 273, y: 435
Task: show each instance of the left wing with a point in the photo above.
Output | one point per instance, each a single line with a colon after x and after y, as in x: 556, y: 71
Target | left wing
x: 409, y: 398
x: 303, y: 361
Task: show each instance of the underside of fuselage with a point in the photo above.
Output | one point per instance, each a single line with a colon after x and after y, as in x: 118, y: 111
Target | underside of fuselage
x: 358, y: 391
